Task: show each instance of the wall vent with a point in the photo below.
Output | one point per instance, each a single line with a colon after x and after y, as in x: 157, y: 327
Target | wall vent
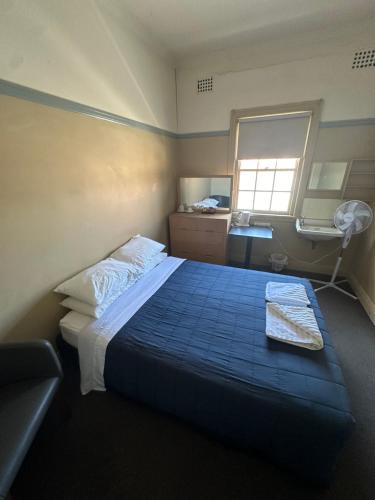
x: 364, y: 59
x: 205, y: 85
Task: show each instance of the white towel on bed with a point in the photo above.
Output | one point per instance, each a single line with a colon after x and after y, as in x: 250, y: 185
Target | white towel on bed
x: 294, y: 325
x: 292, y: 294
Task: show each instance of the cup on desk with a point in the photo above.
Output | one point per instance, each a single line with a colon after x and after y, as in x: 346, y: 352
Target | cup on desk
x: 241, y: 218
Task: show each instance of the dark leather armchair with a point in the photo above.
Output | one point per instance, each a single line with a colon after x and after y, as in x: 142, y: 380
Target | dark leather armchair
x: 30, y: 374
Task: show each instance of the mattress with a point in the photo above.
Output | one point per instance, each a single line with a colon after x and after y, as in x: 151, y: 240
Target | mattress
x: 71, y: 325
x: 196, y: 348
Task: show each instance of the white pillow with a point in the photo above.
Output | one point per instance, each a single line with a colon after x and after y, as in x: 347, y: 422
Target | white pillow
x: 206, y: 203
x: 87, y: 309
x: 95, y: 284
x: 138, y: 251
x: 97, y: 311
x: 155, y: 261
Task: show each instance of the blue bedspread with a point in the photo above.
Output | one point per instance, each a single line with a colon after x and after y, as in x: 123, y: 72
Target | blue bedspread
x: 197, y: 349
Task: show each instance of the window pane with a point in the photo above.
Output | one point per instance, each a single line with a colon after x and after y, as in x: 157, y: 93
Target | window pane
x: 283, y: 181
x: 286, y: 163
x: 265, y: 181
x: 266, y: 184
x: 247, y: 180
x: 262, y: 201
x: 245, y: 200
x: 267, y: 164
x: 280, y: 202
x: 248, y: 164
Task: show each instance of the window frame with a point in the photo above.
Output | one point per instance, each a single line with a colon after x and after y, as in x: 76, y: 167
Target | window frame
x: 303, y: 171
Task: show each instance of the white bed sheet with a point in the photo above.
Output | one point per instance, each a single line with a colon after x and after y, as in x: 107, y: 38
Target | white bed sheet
x: 71, y: 326
x: 93, y: 339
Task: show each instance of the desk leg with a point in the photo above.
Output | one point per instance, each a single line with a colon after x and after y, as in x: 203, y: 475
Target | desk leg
x: 249, y: 244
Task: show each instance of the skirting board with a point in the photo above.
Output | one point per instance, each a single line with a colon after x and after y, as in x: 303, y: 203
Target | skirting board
x: 293, y: 265
x: 367, y: 303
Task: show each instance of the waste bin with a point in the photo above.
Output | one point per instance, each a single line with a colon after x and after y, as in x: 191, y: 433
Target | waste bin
x: 278, y: 261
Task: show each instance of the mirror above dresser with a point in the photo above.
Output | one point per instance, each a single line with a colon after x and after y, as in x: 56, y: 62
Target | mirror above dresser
x: 200, y: 193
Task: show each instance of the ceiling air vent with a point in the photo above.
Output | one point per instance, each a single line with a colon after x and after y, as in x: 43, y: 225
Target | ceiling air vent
x: 364, y: 59
x: 205, y: 85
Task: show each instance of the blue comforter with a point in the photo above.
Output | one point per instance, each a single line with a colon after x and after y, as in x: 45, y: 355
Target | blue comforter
x: 197, y: 349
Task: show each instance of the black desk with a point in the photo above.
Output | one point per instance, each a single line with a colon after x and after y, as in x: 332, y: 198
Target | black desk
x: 250, y: 232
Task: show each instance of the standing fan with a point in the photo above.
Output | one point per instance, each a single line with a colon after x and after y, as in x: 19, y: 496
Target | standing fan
x: 352, y: 217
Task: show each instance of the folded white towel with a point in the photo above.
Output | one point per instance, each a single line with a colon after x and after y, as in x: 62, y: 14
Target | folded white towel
x: 293, y: 294
x: 294, y: 325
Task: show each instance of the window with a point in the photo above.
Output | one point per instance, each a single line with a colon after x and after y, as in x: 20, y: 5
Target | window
x: 266, y: 185
x: 271, y: 151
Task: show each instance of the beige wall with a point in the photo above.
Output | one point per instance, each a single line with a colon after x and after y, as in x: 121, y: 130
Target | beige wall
x: 203, y: 156
x: 345, y: 143
x: 208, y: 156
x: 72, y: 189
x: 363, y: 269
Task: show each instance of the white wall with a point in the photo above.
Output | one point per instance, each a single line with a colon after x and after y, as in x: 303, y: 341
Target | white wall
x: 362, y: 275
x: 318, y: 208
x: 89, y: 51
x: 347, y: 93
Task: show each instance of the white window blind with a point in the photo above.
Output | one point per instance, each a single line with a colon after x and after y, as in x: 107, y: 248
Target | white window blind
x: 277, y: 136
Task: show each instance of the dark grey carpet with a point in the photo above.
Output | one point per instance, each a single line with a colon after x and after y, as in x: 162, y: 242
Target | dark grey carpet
x: 112, y: 448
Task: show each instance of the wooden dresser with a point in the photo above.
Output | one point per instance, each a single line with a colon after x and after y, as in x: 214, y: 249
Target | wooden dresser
x: 200, y: 237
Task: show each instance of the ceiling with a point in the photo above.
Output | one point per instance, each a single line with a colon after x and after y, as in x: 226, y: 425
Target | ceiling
x: 190, y: 27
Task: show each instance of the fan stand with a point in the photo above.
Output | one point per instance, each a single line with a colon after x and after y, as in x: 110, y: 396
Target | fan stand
x: 332, y: 283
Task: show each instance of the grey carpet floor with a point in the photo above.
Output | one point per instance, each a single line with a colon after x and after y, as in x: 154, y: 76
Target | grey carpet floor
x: 111, y: 448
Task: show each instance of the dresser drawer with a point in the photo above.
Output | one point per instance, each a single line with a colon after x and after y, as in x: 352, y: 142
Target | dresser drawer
x: 196, y: 223
x: 199, y: 237
x: 218, y: 250
x: 211, y: 259
x: 184, y: 236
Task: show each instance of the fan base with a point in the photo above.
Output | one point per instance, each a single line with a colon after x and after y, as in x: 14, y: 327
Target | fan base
x: 333, y: 284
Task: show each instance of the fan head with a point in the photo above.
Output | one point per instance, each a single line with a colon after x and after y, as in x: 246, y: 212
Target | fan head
x: 355, y: 215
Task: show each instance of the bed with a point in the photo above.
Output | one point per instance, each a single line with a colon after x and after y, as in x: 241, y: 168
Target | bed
x: 189, y: 339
